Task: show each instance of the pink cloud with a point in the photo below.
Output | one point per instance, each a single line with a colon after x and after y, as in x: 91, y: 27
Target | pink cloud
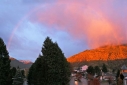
x: 97, y: 22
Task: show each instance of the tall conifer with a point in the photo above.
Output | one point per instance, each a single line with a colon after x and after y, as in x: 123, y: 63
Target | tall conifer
x: 104, y: 68
x: 30, y: 76
x: 5, y: 74
x: 57, y: 68
x: 50, y: 68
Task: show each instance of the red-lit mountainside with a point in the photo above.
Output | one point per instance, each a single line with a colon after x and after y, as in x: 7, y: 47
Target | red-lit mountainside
x: 104, y: 53
x: 25, y: 61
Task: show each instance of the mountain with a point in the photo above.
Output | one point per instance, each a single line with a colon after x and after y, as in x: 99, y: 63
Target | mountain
x: 21, y: 63
x: 106, y: 53
x: 25, y: 61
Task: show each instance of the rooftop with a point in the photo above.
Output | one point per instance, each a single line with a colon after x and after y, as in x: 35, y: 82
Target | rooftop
x: 124, y: 67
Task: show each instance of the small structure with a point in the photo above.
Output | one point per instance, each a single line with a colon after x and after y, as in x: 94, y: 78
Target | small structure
x: 124, y: 73
x: 84, y: 68
x: 124, y: 69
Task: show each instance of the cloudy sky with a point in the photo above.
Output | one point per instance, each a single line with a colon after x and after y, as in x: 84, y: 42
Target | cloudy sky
x: 76, y: 25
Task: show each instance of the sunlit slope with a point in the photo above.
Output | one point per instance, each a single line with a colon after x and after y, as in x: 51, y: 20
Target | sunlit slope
x: 109, y: 52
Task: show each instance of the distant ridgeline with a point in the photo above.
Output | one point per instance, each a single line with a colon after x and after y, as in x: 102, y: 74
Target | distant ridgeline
x: 115, y: 55
x: 21, y: 63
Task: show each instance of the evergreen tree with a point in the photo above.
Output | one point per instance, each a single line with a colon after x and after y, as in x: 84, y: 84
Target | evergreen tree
x: 30, y: 76
x: 51, y: 68
x: 91, y: 70
x: 13, y: 70
x: 5, y: 72
x: 39, y: 75
x: 36, y: 74
x: 104, y: 68
x: 117, y: 74
x: 23, y: 73
x: 97, y: 70
x: 57, y: 68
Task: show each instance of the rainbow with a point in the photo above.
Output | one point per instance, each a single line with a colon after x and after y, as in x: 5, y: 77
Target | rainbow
x: 20, y: 22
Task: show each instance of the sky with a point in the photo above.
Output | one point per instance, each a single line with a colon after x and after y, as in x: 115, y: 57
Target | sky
x: 76, y: 25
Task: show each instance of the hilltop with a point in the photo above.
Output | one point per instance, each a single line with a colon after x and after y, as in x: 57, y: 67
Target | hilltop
x: 21, y: 63
x: 103, y: 54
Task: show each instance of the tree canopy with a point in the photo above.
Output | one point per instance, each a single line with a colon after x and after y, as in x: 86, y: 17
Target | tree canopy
x: 5, y: 72
x: 91, y: 70
x: 97, y: 70
x: 50, y: 68
x: 104, y: 68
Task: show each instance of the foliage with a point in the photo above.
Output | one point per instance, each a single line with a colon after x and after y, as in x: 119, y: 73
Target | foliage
x: 5, y: 72
x: 23, y: 73
x: 50, y: 69
x: 91, y: 70
x: 97, y: 70
x: 57, y: 66
x: 30, y: 75
x: 13, y: 70
x: 39, y: 74
x: 113, y: 70
x: 104, y: 68
x: 118, y: 73
x: 18, y: 78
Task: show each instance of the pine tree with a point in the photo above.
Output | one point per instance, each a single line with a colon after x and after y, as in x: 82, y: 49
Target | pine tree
x: 104, y: 68
x: 36, y: 73
x: 50, y: 68
x: 30, y: 76
x: 91, y: 70
x: 5, y: 74
x: 97, y: 70
x: 13, y: 70
x: 57, y: 68
x: 39, y: 71
x: 117, y: 74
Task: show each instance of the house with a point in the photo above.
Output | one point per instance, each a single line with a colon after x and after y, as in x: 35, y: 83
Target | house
x: 84, y: 68
x: 124, y: 73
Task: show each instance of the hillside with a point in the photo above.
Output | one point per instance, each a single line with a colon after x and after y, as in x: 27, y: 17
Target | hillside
x: 21, y: 63
x: 101, y: 54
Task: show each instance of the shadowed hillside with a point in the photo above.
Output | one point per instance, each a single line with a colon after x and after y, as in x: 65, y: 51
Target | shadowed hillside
x: 106, y: 54
x: 21, y: 63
